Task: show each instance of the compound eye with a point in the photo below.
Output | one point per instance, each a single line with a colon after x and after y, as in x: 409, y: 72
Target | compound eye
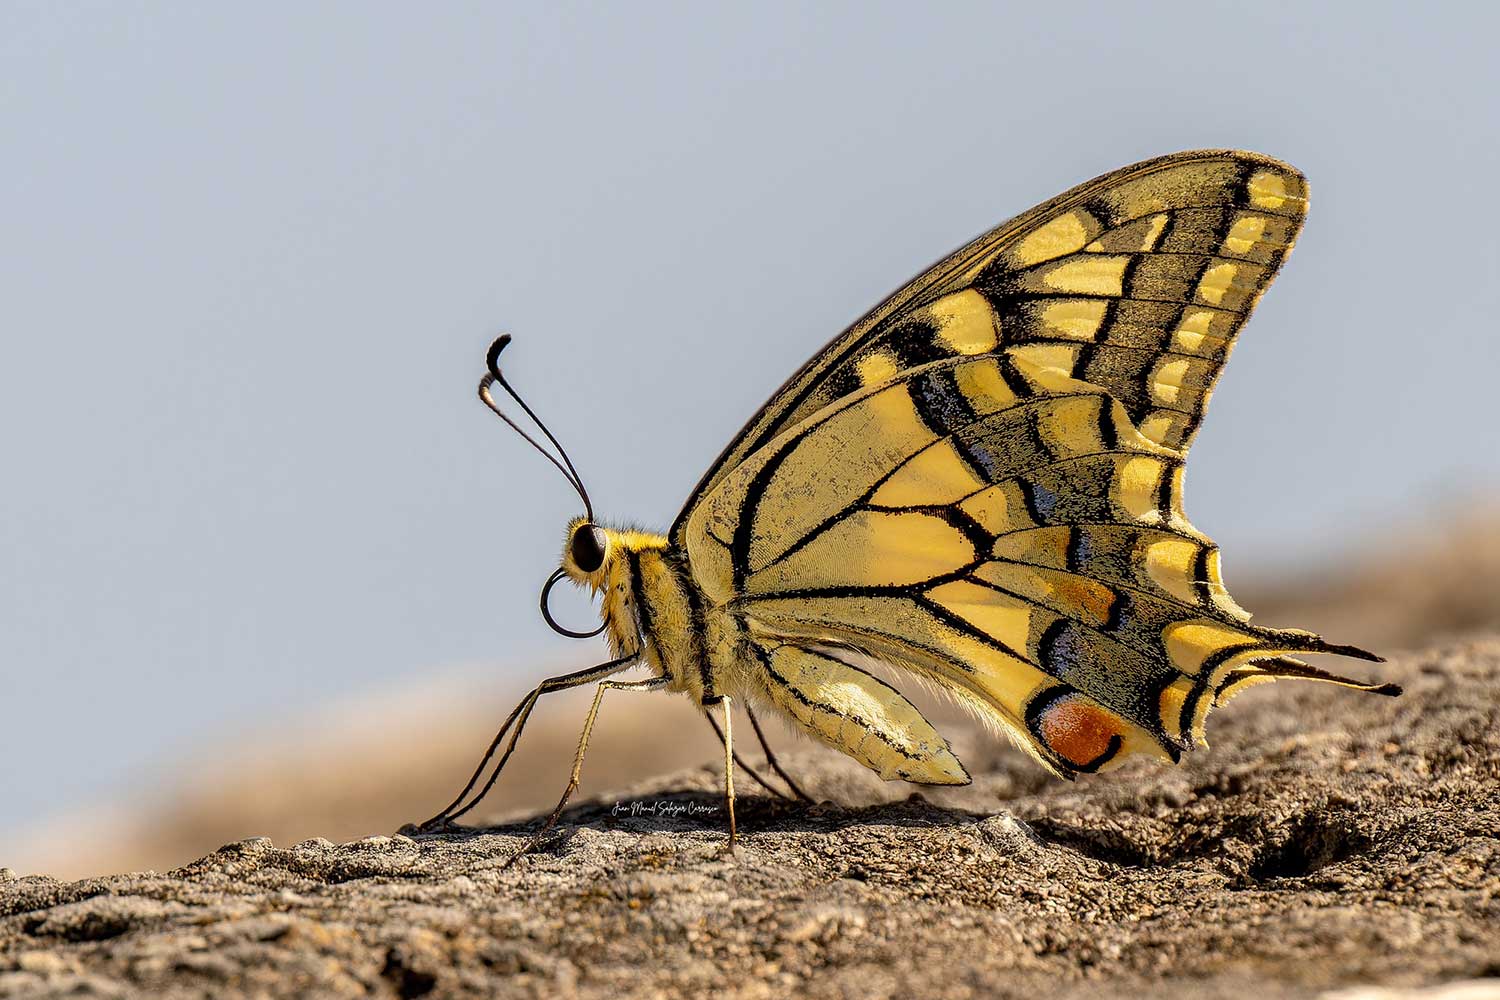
x: 587, y: 548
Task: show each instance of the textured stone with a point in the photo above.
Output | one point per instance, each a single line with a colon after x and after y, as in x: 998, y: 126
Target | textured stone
x: 1330, y: 842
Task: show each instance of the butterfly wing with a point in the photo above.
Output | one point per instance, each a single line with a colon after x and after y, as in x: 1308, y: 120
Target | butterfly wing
x: 981, y: 481
x: 1137, y: 281
x: 1004, y: 530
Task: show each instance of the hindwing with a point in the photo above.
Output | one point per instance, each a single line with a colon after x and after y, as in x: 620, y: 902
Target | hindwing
x: 1007, y: 531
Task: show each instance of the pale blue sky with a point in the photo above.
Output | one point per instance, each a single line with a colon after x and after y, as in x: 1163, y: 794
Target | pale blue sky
x: 254, y: 254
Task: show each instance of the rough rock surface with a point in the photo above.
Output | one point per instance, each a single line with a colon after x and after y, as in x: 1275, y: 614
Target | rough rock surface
x: 1329, y: 842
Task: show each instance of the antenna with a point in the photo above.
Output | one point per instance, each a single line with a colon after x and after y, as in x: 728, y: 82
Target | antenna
x: 492, y: 362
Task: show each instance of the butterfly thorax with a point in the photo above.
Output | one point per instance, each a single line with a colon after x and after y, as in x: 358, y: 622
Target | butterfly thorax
x: 651, y: 607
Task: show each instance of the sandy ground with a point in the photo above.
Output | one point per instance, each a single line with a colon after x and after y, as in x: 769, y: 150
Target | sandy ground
x: 1329, y: 842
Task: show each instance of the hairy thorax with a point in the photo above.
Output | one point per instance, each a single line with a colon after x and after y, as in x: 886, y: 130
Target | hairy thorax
x: 654, y: 610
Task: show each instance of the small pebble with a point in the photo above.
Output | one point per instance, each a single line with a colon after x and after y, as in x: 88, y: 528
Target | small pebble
x: 42, y: 963
x: 250, y: 845
x: 370, y: 843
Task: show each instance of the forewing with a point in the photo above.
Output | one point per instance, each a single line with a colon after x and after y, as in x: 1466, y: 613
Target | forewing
x: 1137, y: 281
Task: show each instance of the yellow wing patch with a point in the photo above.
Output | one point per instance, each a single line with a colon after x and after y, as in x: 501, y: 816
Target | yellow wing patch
x: 852, y: 710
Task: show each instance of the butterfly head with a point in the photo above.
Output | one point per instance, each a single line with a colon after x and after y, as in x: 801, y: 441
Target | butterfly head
x: 588, y: 552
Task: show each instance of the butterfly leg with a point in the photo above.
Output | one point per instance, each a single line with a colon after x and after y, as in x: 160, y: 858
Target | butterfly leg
x: 650, y: 683
x: 771, y: 758
x: 742, y: 765
x: 728, y: 703
x: 517, y: 717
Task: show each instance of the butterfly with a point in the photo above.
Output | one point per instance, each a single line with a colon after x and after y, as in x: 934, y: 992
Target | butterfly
x: 977, y: 485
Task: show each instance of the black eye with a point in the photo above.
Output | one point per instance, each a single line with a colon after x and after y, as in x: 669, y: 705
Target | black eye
x: 587, y: 548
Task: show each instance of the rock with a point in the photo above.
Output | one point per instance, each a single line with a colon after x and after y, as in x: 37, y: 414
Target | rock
x: 1331, y: 844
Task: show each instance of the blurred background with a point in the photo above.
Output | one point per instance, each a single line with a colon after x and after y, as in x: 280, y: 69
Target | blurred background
x: 270, y: 568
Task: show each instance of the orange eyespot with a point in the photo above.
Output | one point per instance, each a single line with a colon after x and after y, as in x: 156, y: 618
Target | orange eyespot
x: 587, y: 547
x: 1079, y: 731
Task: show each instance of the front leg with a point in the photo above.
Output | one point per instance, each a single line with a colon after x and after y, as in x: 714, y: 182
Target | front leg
x: 727, y: 702
x: 649, y: 684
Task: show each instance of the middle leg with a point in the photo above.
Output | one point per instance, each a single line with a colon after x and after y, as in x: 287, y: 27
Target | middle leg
x: 741, y: 762
x: 728, y: 703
